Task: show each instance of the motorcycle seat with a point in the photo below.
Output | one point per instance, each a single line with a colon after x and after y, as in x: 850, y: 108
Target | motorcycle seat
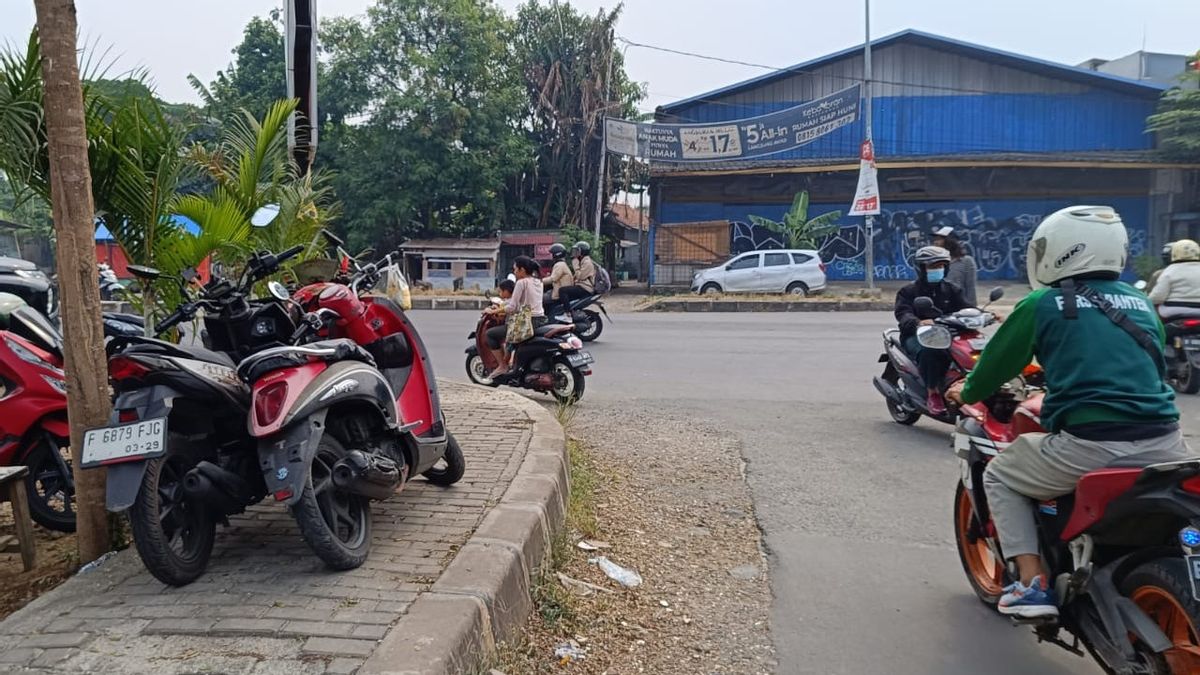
x: 187, y: 351
x: 276, y: 358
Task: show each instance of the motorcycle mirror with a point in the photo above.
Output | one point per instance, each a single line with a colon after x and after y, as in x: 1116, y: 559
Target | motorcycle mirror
x: 996, y: 294
x: 278, y: 291
x: 1141, y: 285
x: 332, y: 238
x: 143, y: 272
x: 934, y: 337
x: 924, y: 303
x: 265, y: 215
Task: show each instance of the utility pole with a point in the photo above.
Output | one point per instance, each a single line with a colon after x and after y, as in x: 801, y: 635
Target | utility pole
x: 74, y: 224
x: 603, y: 140
x: 870, y: 220
x: 300, y: 46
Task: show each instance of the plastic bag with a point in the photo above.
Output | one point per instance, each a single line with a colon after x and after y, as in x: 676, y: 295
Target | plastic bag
x: 626, y: 577
x: 393, y: 286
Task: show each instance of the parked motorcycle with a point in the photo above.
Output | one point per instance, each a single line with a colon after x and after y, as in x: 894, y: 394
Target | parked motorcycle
x: 1123, y: 550
x: 959, y: 334
x: 349, y: 417
x: 179, y: 453
x: 33, y: 429
x: 586, y: 322
x: 110, y: 286
x: 553, y: 361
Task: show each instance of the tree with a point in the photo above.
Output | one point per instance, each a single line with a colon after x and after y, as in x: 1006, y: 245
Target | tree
x: 71, y: 201
x: 565, y: 57
x: 797, y: 229
x: 256, y: 79
x: 1177, y: 121
x: 439, y: 101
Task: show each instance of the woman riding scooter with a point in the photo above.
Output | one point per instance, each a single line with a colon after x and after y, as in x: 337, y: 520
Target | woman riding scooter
x: 526, y: 293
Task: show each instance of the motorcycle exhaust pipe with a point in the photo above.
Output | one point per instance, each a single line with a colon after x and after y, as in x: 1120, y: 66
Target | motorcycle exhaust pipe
x: 220, y: 491
x: 367, y: 475
x: 889, y: 392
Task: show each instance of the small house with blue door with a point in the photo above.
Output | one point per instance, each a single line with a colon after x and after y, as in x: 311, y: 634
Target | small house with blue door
x: 983, y: 140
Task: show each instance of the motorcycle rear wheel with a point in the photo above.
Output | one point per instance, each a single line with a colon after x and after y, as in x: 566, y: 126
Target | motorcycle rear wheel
x: 987, y: 576
x: 595, y: 326
x: 901, y: 415
x: 335, y: 524
x: 1162, y: 590
x: 174, y: 537
x: 1189, y: 383
x: 568, y: 383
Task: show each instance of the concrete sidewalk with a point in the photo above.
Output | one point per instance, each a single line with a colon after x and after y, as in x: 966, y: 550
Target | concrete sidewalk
x: 267, y: 605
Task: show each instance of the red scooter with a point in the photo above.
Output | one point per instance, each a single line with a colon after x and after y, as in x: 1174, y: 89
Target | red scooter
x: 1123, y: 550
x: 33, y: 429
x: 349, y: 417
x: 959, y: 334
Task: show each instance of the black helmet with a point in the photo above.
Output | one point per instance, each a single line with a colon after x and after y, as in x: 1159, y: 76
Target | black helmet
x: 558, y: 251
x: 582, y: 247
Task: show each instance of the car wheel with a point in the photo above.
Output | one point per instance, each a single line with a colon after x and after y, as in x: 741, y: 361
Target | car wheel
x: 797, y: 288
x: 710, y: 289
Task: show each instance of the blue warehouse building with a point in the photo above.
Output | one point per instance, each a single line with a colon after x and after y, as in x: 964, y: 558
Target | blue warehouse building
x: 986, y: 141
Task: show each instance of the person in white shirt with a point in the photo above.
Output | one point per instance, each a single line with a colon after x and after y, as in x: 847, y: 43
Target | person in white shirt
x: 1176, y: 291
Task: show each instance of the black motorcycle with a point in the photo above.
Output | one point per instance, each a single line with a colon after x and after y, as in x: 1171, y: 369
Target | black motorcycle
x: 179, y: 455
x: 553, y: 361
x: 587, y: 321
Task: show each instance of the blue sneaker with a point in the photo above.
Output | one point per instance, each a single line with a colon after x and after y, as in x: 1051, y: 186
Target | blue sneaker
x: 1029, y: 602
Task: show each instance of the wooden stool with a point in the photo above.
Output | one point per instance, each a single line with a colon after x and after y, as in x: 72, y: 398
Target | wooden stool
x: 12, y: 490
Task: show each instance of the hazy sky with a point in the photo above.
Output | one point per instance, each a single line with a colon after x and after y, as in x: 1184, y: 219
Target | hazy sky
x: 172, y: 38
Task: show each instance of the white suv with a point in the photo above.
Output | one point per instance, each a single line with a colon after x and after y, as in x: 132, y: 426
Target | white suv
x: 795, y: 272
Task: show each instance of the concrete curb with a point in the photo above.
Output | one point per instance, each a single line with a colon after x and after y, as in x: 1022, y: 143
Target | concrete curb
x: 768, y: 306
x: 483, y: 595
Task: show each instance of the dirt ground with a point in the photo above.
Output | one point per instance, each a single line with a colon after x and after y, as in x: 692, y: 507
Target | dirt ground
x: 667, y: 496
x: 56, y: 560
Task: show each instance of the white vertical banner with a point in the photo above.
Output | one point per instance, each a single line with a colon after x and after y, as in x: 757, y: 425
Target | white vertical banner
x: 866, y: 197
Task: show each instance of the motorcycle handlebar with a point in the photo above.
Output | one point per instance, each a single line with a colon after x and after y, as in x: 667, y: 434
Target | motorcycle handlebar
x: 289, y: 254
x: 177, y: 317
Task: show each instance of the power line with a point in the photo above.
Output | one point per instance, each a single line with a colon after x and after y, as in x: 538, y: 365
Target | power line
x: 796, y: 70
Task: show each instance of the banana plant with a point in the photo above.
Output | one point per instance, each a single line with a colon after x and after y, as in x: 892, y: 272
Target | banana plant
x: 797, y: 229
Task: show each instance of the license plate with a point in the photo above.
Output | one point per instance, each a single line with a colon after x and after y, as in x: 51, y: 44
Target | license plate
x: 1193, y: 565
x: 123, y: 443
x: 1191, y: 343
x: 580, y: 359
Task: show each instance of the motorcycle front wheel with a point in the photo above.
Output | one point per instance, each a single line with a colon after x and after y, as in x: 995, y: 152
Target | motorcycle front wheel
x: 987, y: 575
x: 174, y: 536
x: 478, y: 372
x: 335, y: 524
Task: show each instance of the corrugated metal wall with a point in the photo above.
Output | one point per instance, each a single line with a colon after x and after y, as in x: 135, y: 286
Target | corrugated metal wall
x: 933, y: 102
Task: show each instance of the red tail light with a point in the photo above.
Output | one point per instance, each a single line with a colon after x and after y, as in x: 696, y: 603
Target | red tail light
x: 125, y: 368
x: 1191, y: 323
x: 268, y: 404
x: 822, y: 266
x: 127, y: 415
x: 1191, y: 486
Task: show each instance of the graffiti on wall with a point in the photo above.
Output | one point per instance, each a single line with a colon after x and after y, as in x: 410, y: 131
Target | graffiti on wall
x: 996, y: 234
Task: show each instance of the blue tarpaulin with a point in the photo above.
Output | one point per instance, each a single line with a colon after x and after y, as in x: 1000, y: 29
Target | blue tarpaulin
x: 189, y: 225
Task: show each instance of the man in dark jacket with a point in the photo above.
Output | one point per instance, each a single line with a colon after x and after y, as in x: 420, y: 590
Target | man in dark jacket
x: 931, y: 263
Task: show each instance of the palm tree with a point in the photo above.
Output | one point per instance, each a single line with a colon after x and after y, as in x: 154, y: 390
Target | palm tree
x: 796, y: 227
x: 251, y: 167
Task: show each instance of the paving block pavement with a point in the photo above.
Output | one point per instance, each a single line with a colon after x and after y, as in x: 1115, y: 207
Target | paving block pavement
x: 448, y: 575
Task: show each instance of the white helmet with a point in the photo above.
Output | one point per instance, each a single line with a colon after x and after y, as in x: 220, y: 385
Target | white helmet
x: 1074, y: 241
x: 1185, y: 250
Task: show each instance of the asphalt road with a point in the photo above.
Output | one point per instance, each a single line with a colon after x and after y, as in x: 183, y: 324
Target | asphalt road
x: 855, y: 509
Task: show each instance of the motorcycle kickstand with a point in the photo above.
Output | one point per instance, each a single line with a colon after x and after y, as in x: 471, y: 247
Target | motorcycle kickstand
x: 1052, y: 638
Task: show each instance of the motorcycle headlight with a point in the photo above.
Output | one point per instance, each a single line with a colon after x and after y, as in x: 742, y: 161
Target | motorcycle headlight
x: 25, y: 355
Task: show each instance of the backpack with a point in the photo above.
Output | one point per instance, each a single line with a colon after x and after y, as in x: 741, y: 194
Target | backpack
x: 603, y: 283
